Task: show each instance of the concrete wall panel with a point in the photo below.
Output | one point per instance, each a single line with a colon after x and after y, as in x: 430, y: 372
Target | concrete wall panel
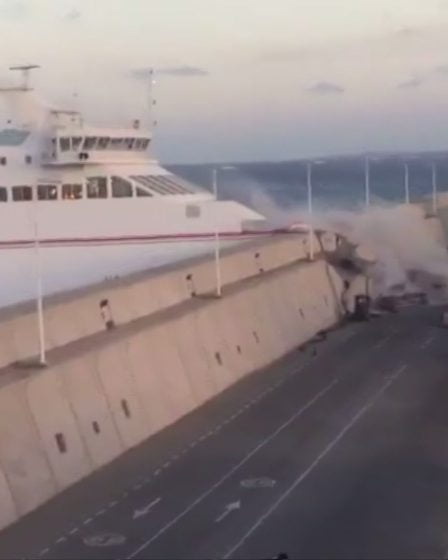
x: 92, y: 411
x: 22, y: 456
x: 115, y: 375
x: 57, y: 426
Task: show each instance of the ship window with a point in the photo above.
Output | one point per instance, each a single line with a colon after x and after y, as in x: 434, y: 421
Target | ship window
x: 3, y: 194
x: 47, y: 192
x: 144, y: 144
x: 121, y: 188
x: 22, y: 193
x: 96, y: 187
x: 76, y: 142
x: 192, y: 211
x: 90, y: 142
x: 28, y: 160
x: 103, y: 143
x: 117, y: 143
x: 71, y: 192
x: 129, y: 142
x: 142, y: 192
x: 64, y: 144
x: 2, y: 161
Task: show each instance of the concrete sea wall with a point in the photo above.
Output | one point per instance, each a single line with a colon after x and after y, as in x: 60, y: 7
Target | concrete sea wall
x: 106, y: 390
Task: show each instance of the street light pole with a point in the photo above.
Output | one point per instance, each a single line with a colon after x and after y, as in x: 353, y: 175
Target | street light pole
x: 367, y: 181
x: 309, y: 186
x: 407, y: 198
x: 39, y: 283
x: 434, y: 187
x: 217, y: 244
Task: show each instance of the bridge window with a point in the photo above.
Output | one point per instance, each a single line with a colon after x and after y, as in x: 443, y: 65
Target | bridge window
x: 129, y: 142
x: 142, y: 192
x: 96, y: 187
x: 3, y: 194
x: 64, y: 144
x: 22, y: 193
x: 121, y: 188
x: 71, y: 192
x: 47, y: 192
x: 76, y: 142
x: 90, y: 142
x: 103, y: 143
x: 117, y: 143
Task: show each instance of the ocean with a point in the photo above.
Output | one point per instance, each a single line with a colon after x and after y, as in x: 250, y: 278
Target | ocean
x: 337, y: 183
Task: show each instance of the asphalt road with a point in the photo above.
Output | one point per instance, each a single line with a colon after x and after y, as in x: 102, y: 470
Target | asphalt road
x: 343, y: 454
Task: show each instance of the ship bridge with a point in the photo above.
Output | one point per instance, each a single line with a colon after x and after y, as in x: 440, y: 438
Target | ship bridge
x: 69, y: 142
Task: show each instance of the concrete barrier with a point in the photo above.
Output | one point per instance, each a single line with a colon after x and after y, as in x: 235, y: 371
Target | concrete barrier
x: 119, y: 387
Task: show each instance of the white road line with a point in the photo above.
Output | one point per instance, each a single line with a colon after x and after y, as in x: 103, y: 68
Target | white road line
x: 234, y: 469
x: 100, y: 512
x: 60, y: 540
x: 316, y: 462
x: 382, y: 342
x: 87, y: 521
x: 73, y: 531
x: 427, y: 342
x: 44, y: 551
x: 157, y: 472
x: 112, y: 504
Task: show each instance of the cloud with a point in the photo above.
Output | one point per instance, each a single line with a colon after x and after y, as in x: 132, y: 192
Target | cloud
x: 442, y: 70
x: 326, y: 88
x: 285, y: 54
x: 182, y: 71
x: 411, y: 83
x: 72, y: 16
x: 14, y: 9
x: 176, y: 71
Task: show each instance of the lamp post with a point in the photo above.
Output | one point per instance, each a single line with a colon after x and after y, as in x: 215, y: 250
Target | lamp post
x: 434, y: 187
x: 407, y: 197
x: 309, y: 190
x: 367, y: 182
x: 216, y: 235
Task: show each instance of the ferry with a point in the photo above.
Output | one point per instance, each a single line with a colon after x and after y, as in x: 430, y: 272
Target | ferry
x: 93, y: 202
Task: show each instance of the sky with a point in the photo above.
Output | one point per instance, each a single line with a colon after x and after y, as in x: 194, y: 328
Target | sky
x: 244, y: 80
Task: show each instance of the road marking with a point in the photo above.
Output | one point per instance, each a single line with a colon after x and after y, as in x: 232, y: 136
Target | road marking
x: 73, y: 531
x: 261, y: 482
x: 382, y: 342
x: 100, y: 512
x: 112, y: 504
x: 87, y: 521
x: 61, y: 540
x: 157, y: 472
x: 104, y: 539
x: 228, y: 510
x: 167, y: 464
x: 427, y: 342
x: 44, y: 551
x: 141, y: 512
x: 234, y: 469
x: 316, y: 461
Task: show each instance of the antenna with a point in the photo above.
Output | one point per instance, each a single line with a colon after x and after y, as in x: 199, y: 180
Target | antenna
x: 25, y: 69
x: 151, y: 100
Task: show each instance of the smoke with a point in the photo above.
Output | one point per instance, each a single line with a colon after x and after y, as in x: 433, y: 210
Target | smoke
x: 400, y: 241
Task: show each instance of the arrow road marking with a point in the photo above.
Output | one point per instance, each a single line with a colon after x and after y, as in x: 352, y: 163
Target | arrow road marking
x: 146, y: 509
x: 228, y: 509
